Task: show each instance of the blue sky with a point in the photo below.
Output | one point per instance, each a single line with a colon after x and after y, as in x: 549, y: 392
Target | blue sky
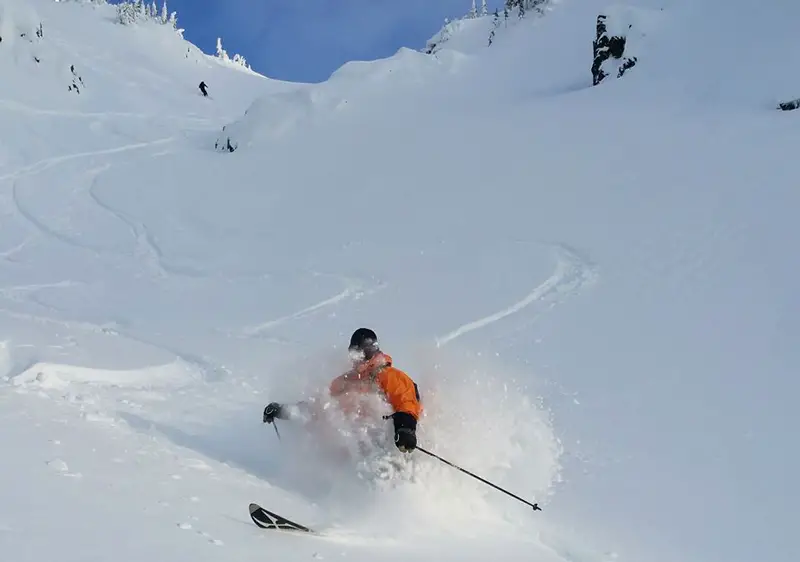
x: 306, y: 40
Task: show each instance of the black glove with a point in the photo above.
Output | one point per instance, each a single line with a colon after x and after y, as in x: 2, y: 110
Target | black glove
x: 272, y: 411
x: 405, y: 431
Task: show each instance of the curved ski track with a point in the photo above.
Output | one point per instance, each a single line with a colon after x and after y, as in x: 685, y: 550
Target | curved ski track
x: 46, y: 163
x: 42, y: 165
x: 148, y: 252
x: 353, y: 289
x: 572, y: 272
x: 146, y: 249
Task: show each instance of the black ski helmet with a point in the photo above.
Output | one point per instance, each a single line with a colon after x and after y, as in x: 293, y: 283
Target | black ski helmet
x: 364, y: 340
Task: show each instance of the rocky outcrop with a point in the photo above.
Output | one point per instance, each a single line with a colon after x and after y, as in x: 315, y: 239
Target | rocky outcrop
x: 609, y: 50
x: 789, y: 105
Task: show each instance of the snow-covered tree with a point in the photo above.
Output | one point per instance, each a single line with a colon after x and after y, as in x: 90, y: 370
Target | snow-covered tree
x: 435, y: 43
x: 521, y: 8
x: 473, y: 12
x: 240, y: 60
x: 135, y: 11
x: 484, y: 8
x: 538, y: 5
x: 127, y: 13
x: 524, y: 6
x: 519, y: 5
x: 221, y: 53
x: 495, y: 25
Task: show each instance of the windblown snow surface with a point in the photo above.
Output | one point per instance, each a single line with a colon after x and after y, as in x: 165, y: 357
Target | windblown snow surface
x: 595, y: 288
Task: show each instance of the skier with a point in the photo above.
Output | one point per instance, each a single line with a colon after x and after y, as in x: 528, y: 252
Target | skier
x: 372, y: 373
x: 203, y: 88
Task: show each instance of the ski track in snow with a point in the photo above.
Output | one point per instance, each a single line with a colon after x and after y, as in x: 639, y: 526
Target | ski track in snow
x: 146, y: 249
x: 10, y: 293
x: 210, y: 370
x: 571, y: 273
x: 45, y: 230
x: 46, y: 163
x: 17, y: 107
x: 8, y: 255
x: 354, y: 289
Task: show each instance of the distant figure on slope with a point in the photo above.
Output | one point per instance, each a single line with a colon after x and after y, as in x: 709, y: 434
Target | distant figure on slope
x: 204, y: 89
x: 372, y: 375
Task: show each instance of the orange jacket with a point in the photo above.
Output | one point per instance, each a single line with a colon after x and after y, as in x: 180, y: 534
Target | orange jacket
x: 378, y: 375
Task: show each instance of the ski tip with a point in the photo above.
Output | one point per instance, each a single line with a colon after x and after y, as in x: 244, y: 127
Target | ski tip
x: 269, y: 520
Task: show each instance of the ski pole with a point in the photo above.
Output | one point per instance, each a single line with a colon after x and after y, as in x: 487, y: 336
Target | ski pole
x: 275, y: 425
x: 535, y: 506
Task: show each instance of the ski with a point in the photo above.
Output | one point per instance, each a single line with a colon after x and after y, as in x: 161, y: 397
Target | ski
x: 269, y: 520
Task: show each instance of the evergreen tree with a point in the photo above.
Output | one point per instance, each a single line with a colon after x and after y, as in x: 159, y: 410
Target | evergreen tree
x: 133, y: 11
x: 220, y: 51
x: 127, y: 13
x: 473, y: 12
x: 495, y: 24
x: 240, y: 60
x: 484, y: 8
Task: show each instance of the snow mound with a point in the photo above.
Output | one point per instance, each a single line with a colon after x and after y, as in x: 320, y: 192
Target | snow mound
x: 363, y: 76
x: 355, y: 85
x: 276, y: 114
x: 52, y: 375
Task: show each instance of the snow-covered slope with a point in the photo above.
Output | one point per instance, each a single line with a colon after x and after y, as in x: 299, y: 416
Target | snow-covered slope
x: 594, y: 288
